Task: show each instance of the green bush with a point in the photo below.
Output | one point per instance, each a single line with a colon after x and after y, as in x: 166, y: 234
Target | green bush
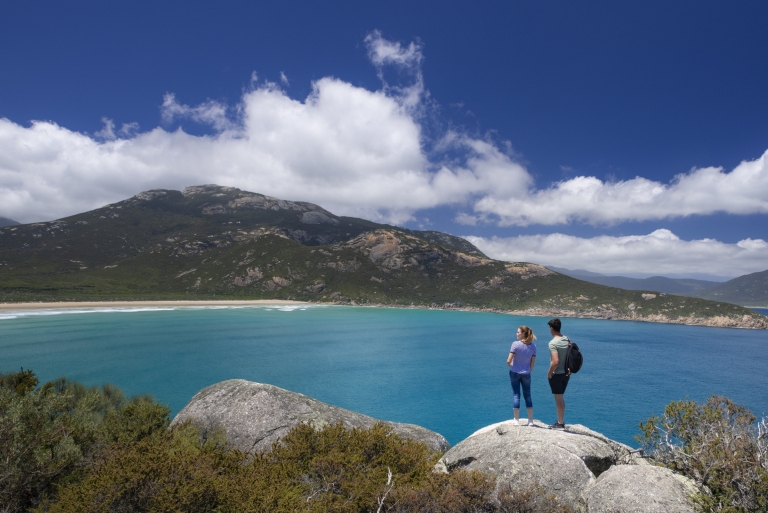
x: 310, y: 470
x: 719, y: 446
x: 67, y: 448
x: 20, y: 382
x: 336, y: 469
x: 36, y: 446
x: 170, y: 472
x: 53, y: 434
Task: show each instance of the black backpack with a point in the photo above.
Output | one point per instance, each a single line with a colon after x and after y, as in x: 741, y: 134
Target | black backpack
x: 573, y: 359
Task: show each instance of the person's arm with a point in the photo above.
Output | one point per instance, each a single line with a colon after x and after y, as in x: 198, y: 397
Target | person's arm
x: 510, y: 358
x: 554, y: 360
x: 533, y: 361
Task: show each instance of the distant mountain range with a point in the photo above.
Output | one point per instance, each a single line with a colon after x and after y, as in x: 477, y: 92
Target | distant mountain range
x: 656, y: 283
x: 748, y: 290
x: 212, y: 242
x: 4, y: 221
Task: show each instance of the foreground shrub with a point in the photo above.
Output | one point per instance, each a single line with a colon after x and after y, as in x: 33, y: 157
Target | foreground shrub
x: 310, y: 470
x: 67, y: 448
x: 719, y: 446
x: 36, y: 446
x: 173, y: 471
x: 51, y: 435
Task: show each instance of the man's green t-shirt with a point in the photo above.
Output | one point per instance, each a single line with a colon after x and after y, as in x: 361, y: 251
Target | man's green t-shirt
x: 559, y: 344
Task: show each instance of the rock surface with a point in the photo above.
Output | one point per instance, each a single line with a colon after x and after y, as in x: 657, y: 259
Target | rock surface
x: 640, y: 489
x: 255, y: 415
x: 563, y: 462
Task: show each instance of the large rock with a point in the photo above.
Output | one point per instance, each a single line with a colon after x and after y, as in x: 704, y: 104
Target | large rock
x: 255, y: 415
x: 640, y: 489
x: 564, y: 463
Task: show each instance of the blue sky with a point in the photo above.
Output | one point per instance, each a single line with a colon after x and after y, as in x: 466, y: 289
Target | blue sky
x: 615, y: 137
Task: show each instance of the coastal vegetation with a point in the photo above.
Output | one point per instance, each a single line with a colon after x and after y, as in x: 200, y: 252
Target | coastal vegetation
x: 71, y: 448
x: 718, y: 444
x: 67, y: 447
x: 211, y: 242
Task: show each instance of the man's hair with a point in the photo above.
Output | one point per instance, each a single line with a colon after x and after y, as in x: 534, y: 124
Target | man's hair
x: 555, y: 324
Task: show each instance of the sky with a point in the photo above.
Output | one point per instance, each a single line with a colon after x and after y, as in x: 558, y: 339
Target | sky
x: 616, y: 137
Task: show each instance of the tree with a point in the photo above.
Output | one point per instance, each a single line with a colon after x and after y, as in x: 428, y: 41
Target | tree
x: 717, y: 444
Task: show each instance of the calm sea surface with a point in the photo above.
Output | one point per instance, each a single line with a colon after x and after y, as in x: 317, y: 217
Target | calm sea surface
x: 440, y: 369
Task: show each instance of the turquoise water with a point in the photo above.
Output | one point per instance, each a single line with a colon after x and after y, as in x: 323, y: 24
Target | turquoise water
x: 440, y: 369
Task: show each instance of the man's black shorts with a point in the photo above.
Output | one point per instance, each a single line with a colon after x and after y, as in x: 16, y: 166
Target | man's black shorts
x: 558, y: 383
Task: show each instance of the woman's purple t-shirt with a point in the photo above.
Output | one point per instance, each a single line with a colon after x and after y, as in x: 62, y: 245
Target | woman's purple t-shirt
x: 521, y: 363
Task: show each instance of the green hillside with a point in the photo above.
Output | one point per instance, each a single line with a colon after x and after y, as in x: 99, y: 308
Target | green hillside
x: 211, y: 242
x: 748, y: 290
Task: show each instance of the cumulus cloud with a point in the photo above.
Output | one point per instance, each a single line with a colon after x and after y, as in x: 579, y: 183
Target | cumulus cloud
x: 108, y: 131
x: 210, y: 113
x: 587, y: 199
x: 407, y: 59
x: 352, y: 150
x: 355, y: 151
x: 658, y: 253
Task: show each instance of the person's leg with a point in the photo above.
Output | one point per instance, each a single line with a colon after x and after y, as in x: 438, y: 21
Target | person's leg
x: 525, y: 381
x: 560, y: 405
x: 514, y: 378
x: 557, y: 384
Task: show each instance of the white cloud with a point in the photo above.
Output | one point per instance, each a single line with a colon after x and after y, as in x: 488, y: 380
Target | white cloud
x: 658, y: 253
x: 353, y: 150
x: 108, y: 131
x: 128, y: 129
x: 587, y: 199
x: 383, y: 52
x: 284, y: 79
x: 211, y: 113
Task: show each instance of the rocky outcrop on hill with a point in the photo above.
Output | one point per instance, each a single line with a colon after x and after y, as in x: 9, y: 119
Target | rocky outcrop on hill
x: 582, y: 468
x: 255, y: 415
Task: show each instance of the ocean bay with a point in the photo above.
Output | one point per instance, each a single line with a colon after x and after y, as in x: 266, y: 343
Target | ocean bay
x: 443, y: 370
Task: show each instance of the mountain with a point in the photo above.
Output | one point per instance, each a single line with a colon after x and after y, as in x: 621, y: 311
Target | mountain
x: 681, y: 286
x: 4, y: 221
x: 212, y: 242
x: 574, y: 273
x: 750, y: 289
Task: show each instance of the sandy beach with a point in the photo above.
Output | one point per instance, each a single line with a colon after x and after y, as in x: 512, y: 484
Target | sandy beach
x: 161, y: 304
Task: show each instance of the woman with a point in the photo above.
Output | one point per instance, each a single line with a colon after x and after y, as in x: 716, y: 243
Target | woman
x: 521, y: 359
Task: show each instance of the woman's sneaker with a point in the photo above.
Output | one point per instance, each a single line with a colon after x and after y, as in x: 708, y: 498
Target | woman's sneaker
x: 530, y: 422
x: 557, y: 425
x: 515, y: 422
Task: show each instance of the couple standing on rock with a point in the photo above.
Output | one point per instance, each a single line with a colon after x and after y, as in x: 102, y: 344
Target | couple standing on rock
x: 521, y: 359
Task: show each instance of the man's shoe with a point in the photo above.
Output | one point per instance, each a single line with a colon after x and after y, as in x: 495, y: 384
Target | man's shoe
x: 557, y: 425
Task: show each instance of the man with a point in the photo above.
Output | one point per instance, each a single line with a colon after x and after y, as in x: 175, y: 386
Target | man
x: 558, y: 379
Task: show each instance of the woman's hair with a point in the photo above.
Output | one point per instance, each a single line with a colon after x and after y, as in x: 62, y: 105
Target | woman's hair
x: 528, y: 335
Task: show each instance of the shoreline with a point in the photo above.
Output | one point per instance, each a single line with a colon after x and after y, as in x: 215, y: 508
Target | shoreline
x: 123, y: 304
x: 715, y: 322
